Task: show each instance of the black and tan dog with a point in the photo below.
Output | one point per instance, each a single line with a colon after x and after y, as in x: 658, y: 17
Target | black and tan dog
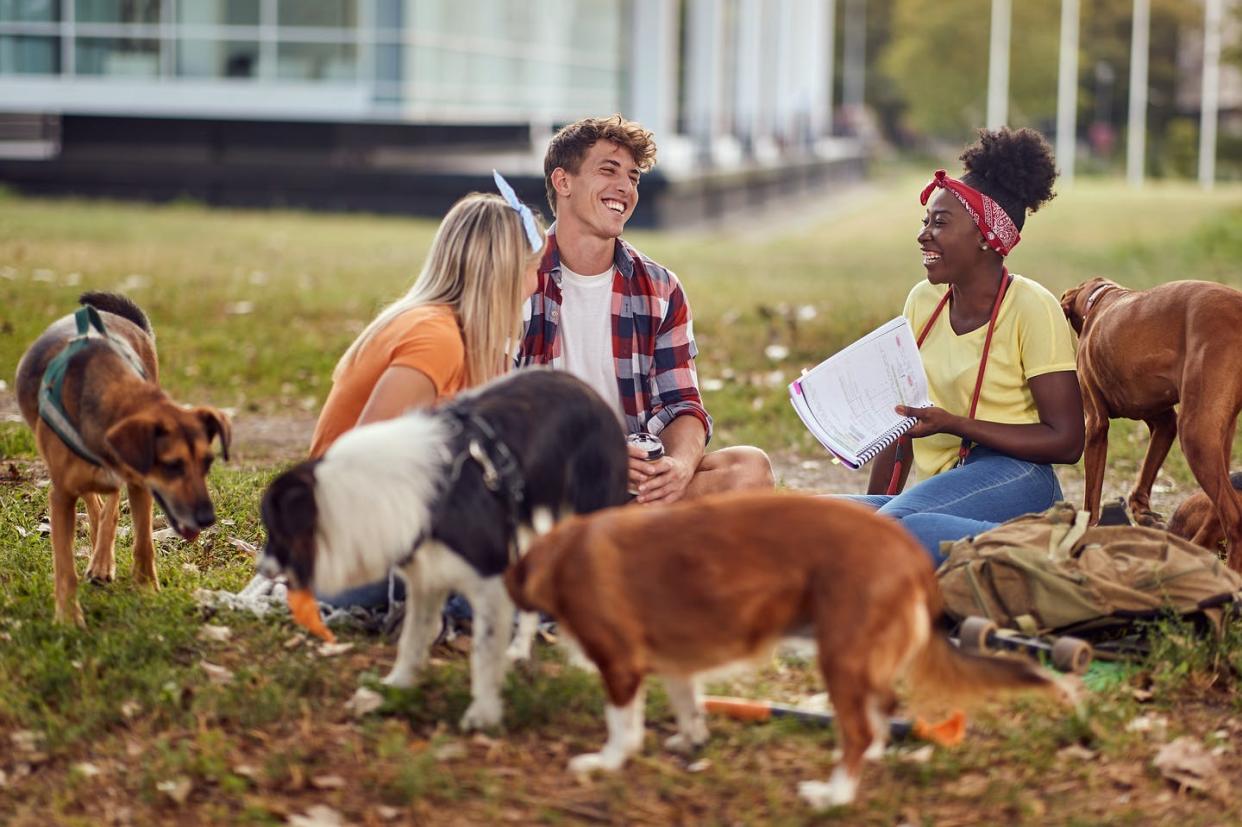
x: 124, y: 431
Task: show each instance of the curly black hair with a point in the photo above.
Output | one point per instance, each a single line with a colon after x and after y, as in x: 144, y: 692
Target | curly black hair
x: 1014, y: 168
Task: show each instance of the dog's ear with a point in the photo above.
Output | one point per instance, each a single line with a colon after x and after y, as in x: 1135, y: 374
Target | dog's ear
x: 132, y: 440
x: 532, y: 580
x: 1067, y: 302
x: 217, y: 424
x: 289, y: 503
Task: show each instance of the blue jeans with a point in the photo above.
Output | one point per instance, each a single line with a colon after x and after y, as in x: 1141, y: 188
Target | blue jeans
x: 375, y: 596
x: 987, y: 490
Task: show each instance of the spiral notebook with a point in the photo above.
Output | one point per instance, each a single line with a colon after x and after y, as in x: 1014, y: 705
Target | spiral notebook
x: 847, y: 400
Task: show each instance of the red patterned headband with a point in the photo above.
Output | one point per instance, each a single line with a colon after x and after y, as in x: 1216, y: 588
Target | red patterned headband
x: 997, y: 227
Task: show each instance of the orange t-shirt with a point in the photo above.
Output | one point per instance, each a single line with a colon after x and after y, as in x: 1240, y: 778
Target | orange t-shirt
x: 425, y: 338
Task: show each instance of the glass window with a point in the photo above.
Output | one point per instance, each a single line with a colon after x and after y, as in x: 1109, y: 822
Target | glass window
x: 123, y: 57
x: 117, y: 11
x: 30, y: 11
x: 338, y: 14
x: 220, y: 12
x: 218, y: 58
x: 317, y: 61
x: 20, y: 55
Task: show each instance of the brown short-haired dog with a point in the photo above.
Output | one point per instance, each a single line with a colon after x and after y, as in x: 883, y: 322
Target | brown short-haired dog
x: 1140, y: 352
x: 129, y: 433
x: 687, y: 588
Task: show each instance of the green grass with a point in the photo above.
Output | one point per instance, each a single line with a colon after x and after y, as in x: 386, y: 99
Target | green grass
x: 129, y: 694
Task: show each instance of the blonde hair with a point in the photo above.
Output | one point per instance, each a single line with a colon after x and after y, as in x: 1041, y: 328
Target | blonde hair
x: 475, y: 266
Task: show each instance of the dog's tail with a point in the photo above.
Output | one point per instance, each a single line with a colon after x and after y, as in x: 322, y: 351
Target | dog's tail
x: 117, y: 305
x: 943, y: 669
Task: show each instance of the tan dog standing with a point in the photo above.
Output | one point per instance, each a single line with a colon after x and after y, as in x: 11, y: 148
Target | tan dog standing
x: 135, y: 436
x: 684, y: 589
x: 1140, y: 352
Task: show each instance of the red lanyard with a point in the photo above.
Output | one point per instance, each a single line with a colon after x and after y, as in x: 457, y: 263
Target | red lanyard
x: 963, y: 451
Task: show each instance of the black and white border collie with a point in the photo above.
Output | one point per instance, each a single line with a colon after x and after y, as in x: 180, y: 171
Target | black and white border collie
x: 450, y: 497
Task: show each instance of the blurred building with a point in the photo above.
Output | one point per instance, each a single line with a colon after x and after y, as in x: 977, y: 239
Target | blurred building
x: 402, y: 105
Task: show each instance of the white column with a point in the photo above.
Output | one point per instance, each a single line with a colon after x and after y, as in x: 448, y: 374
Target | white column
x: 748, y: 93
x: 1067, y: 91
x: 1136, y: 128
x: 704, y: 73
x: 786, y: 86
x: 653, y: 66
x: 816, y: 50
x: 998, y: 65
x: 1210, y: 97
x: 854, y: 71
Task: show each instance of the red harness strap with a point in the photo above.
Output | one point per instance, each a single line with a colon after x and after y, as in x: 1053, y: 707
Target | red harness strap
x: 964, y: 451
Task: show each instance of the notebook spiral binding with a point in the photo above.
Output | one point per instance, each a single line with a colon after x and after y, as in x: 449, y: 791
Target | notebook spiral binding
x: 888, y: 439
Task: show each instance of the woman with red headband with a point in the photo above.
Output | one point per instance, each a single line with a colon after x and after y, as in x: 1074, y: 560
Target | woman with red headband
x: 998, y: 353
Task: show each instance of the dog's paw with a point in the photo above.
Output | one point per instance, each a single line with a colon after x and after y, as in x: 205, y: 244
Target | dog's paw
x: 71, y: 615
x: 481, y: 715
x: 400, y: 678
x: 101, y: 576
x: 519, y: 650
x: 822, y: 795
x: 683, y: 744
x: 590, y: 762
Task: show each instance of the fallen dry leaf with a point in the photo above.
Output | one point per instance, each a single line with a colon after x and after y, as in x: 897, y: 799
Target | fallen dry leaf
x: 177, y: 789
x: 971, y: 785
x: 327, y: 782
x: 1157, y: 725
x: 317, y: 816
x: 218, y: 675
x: 364, y: 702
x: 917, y: 756
x: 25, y: 740
x: 332, y: 649
x: 699, y: 766
x: 387, y: 813
x: 219, y: 634
x: 87, y: 769
x: 1077, y: 752
x: 1185, y: 762
x: 130, y: 708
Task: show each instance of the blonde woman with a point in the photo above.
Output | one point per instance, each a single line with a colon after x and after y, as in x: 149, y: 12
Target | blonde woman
x: 457, y: 327
x: 454, y: 329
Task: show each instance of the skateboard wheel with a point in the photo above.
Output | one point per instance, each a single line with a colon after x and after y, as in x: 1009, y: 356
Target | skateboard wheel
x: 1070, y: 654
x: 975, y: 632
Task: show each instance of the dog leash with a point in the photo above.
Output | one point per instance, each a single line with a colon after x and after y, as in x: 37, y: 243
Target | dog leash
x: 964, y: 451
x: 51, y: 388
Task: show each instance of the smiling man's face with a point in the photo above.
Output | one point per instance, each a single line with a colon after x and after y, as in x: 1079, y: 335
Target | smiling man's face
x: 601, y: 196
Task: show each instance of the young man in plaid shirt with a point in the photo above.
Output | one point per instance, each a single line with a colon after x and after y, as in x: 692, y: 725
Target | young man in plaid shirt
x: 613, y: 317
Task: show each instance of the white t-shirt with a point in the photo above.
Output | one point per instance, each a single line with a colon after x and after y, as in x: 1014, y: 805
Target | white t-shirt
x: 586, y: 333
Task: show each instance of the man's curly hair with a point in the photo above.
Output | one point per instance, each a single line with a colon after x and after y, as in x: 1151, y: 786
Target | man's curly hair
x: 571, y: 144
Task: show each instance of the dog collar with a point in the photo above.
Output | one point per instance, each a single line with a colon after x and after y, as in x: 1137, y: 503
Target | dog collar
x: 51, y: 388
x: 501, y: 473
x: 1099, y: 290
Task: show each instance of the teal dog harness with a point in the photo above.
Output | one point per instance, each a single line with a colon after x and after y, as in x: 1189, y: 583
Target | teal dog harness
x: 51, y: 405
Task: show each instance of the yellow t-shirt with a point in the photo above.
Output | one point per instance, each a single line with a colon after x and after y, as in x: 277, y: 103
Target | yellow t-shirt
x: 1031, y: 338
x: 425, y: 338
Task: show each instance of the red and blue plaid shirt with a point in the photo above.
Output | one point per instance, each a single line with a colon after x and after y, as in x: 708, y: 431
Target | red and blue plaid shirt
x: 652, y: 337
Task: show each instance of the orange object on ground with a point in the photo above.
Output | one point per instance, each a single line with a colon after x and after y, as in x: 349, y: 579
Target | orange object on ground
x: 947, y: 733
x: 305, y: 610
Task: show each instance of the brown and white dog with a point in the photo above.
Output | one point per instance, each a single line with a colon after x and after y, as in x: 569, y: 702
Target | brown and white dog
x: 684, y: 589
x: 143, y: 440
x: 1140, y: 352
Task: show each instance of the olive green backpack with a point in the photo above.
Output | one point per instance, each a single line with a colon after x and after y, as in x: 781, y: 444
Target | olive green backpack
x: 1050, y: 572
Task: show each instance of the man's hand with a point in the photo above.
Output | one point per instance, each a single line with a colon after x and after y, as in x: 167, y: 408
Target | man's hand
x: 663, y: 480
x: 931, y: 420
